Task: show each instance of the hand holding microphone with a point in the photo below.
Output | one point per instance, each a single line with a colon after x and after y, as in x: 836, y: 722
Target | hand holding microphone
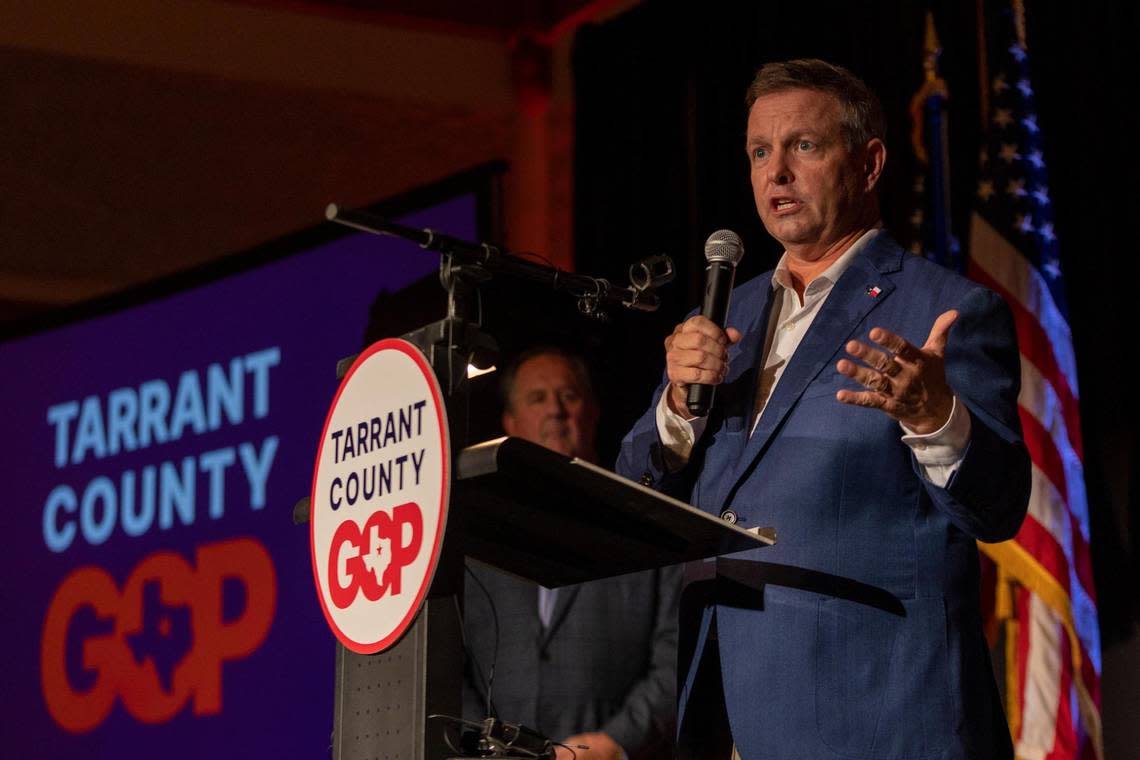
x: 696, y: 354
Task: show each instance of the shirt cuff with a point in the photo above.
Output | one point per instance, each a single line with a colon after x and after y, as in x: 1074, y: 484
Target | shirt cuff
x: 678, y: 435
x: 940, y: 453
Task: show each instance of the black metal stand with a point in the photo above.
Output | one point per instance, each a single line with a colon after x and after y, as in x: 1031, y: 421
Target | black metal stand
x: 382, y: 701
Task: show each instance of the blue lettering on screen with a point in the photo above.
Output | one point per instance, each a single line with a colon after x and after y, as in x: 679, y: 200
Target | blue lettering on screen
x: 131, y: 419
x: 163, y: 496
x: 168, y: 494
x: 154, y: 403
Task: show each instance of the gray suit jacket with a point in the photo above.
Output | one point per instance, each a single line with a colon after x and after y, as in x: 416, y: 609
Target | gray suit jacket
x: 606, y: 663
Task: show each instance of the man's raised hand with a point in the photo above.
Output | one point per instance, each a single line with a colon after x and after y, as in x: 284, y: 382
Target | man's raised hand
x: 906, y: 382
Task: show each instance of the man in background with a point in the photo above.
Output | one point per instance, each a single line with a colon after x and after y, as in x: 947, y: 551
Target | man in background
x: 592, y: 664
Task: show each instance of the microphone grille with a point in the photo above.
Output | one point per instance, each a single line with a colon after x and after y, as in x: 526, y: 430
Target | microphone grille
x: 724, y: 246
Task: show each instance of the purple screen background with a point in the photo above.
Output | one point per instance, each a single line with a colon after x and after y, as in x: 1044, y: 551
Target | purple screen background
x: 313, y: 306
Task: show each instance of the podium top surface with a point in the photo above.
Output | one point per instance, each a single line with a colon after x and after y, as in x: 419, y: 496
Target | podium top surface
x: 558, y: 520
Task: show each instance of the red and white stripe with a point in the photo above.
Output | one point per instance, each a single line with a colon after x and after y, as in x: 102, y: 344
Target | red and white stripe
x: 1058, y: 706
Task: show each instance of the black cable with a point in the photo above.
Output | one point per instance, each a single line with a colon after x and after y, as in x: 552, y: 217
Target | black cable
x: 490, y: 680
x: 474, y: 664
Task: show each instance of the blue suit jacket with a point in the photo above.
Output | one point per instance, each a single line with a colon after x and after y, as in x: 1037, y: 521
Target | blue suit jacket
x: 807, y: 673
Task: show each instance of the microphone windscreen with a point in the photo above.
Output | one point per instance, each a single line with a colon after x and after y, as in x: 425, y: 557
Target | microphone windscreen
x: 724, y: 246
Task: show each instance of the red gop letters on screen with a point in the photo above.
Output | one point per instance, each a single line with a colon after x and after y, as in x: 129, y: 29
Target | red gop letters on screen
x: 153, y: 691
x: 159, y: 641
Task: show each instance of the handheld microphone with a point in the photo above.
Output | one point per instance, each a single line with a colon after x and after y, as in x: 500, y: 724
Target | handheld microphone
x: 723, y: 251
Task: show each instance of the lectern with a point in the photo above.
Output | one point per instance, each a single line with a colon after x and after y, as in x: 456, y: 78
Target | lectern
x: 531, y: 512
x: 514, y: 505
x: 528, y: 511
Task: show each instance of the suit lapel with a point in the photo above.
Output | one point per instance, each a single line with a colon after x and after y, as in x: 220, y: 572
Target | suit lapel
x: 734, y: 398
x: 861, y: 288
x: 562, y: 604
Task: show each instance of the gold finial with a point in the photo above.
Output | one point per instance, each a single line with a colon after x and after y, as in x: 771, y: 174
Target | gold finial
x: 1019, y: 22
x: 932, y: 84
x: 932, y: 49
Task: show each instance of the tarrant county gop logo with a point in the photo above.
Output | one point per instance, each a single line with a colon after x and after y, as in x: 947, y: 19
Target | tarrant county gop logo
x: 379, y: 498
x: 156, y: 640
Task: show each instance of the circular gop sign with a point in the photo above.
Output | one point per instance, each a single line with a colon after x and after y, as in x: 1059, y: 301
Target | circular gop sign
x: 379, y: 498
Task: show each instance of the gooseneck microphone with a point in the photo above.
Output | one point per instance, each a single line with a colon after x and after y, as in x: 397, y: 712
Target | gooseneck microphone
x: 723, y: 251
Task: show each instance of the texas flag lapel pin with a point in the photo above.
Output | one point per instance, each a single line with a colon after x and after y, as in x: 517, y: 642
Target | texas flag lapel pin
x: 874, y: 291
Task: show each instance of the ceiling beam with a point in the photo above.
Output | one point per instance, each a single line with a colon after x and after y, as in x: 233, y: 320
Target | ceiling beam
x: 264, y: 44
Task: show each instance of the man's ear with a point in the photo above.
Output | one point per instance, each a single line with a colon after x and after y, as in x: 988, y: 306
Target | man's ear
x: 508, y: 423
x: 874, y: 159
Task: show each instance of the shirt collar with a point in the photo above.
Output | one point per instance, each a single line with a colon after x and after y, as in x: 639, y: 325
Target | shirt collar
x: 781, y: 278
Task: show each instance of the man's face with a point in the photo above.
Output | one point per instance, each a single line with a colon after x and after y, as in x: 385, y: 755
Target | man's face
x: 810, y: 189
x: 549, y: 406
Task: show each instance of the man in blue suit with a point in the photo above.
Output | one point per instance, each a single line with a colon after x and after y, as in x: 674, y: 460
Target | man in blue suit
x: 867, y: 409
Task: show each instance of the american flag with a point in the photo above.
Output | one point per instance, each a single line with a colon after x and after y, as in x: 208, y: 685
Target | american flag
x: 1053, y: 657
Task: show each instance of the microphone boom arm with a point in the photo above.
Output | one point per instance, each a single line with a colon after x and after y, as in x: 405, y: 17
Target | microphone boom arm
x: 593, y: 293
